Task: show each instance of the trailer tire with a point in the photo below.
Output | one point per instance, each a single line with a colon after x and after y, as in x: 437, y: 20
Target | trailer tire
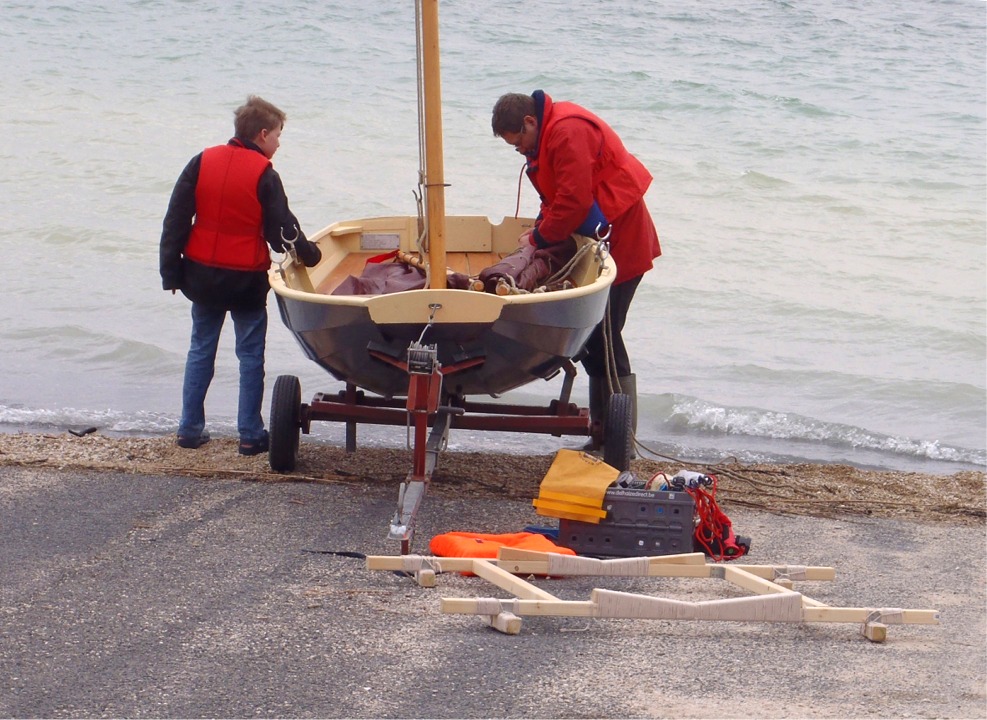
x: 286, y: 427
x: 618, y: 432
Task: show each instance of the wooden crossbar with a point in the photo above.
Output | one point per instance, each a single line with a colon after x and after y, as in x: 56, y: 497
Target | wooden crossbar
x: 527, y: 562
x: 614, y: 604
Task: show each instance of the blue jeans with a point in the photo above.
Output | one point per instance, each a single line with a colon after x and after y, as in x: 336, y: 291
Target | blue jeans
x: 250, y: 327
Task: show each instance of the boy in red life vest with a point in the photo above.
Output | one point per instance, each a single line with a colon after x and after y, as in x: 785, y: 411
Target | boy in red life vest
x: 586, y: 180
x: 227, y: 207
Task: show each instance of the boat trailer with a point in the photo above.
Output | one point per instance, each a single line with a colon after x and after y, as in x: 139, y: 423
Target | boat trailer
x: 429, y: 414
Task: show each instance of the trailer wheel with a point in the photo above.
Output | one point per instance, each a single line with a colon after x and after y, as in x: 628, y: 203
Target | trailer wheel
x: 286, y: 404
x: 618, y: 432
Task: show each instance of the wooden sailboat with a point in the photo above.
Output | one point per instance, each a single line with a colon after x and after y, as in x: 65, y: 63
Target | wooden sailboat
x: 424, y: 351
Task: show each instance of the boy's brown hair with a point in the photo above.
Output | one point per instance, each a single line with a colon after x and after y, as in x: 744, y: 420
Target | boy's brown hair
x: 255, y: 115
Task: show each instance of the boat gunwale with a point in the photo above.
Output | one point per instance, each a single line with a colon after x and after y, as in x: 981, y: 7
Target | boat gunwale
x: 280, y: 286
x: 609, y: 271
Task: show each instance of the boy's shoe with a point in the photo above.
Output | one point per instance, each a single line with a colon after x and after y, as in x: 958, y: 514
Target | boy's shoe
x: 192, y: 443
x: 255, y: 447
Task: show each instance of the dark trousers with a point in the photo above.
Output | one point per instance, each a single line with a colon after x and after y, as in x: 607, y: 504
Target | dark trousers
x: 595, y: 361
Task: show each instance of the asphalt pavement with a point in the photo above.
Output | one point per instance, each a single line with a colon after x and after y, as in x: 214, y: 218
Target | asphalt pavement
x: 157, y: 596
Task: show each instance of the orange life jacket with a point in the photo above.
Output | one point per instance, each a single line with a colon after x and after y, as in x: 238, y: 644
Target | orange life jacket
x: 228, y: 231
x: 487, y: 545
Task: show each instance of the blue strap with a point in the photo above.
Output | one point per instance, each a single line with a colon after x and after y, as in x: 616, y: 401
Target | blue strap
x: 594, y: 219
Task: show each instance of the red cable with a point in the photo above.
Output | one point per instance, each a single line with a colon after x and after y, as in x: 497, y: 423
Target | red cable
x: 711, y: 519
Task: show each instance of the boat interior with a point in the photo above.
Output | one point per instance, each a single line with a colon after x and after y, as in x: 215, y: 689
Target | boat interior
x: 473, y: 243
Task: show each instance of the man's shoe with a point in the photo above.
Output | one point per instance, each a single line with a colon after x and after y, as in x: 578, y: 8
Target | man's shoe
x: 255, y: 447
x: 191, y: 443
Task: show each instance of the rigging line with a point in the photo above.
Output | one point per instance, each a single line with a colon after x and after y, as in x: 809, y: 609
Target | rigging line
x: 566, y: 269
x: 714, y: 468
x: 422, y: 196
x: 610, y: 360
x: 422, y: 242
x: 520, y: 178
x: 420, y: 72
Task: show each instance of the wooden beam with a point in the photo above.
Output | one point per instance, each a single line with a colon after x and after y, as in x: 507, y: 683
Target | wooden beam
x: 528, y: 562
x: 505, y: 622
x: 888, y: 616
x: 483, y: 606
x: 875, y: 632
x: 414, y: 563
x: 783, y: 607
x: 749, y: 581
x: 490, y: 572
x: 612, y: 604
x: 791, y: 572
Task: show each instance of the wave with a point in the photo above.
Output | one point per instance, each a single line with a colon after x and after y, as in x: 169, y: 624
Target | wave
x: 672, y: 426
x: 106, y: 421
x: 94, y: 350
x: 695, y: 415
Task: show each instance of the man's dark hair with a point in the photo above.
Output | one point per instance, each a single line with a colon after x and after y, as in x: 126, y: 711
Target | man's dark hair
x: 509, y: 113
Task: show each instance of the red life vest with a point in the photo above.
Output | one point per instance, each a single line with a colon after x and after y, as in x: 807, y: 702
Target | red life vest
x: 228, y: 231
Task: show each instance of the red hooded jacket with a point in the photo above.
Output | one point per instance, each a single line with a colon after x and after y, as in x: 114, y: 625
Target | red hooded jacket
x: 581, y: 159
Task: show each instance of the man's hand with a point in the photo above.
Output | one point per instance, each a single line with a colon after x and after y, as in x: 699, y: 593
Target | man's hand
x: 525, y: 238
x: 308, y: 252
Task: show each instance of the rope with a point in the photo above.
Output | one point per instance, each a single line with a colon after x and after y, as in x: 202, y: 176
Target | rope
x: 507, y: 284
x: 609, y: 360
x: 520, y: 179
x: 564, y: 272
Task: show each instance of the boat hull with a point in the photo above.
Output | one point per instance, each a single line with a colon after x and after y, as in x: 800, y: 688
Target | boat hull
x: 525, y: 343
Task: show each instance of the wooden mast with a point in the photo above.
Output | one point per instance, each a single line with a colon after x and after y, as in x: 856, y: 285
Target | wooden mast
x: 435, y: 212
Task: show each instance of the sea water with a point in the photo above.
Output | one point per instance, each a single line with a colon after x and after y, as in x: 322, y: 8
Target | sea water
x: 819, y: 191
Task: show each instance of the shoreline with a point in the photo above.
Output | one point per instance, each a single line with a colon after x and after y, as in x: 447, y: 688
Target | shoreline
x: 925, y: 466
x: 805, y: 489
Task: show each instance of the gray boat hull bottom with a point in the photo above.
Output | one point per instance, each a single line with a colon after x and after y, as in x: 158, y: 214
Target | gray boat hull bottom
x: 526, y: 342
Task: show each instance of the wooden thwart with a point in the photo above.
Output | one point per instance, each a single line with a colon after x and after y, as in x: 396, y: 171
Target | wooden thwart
x: 773, y: 599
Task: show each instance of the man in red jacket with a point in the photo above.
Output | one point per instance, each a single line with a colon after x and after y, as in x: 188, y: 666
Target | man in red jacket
x: 586, y: 180
x: 227, y: 207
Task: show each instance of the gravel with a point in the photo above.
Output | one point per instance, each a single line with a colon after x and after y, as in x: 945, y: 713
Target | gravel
x: 140, y: 580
